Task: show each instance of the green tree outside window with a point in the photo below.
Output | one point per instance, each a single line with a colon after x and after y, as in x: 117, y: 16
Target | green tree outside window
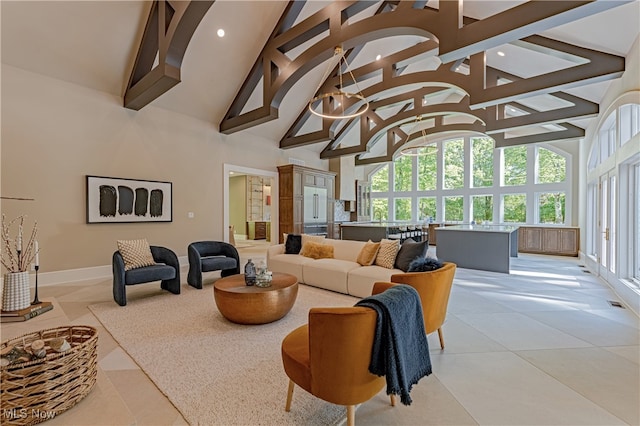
x: 482, y: 208
x: 402, y: 208
x: 551, y: 207
x: 380, y: 180
x: 454, y: 164
x: 453, y: 209
x: 482, y: 158
x: 552, y: 167
x: 515, y: 165
x: 515, y: 208
x: 426, y: 208
x: 402, y: 173
x: 427, y: 170
x: 380, y: 208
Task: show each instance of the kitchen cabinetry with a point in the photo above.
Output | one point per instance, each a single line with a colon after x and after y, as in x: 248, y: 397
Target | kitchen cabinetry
x: 306, y: 200
x: 554, y: 240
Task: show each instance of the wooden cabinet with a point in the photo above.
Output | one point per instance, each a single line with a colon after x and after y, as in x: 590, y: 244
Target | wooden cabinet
x: 257, y: 230
x: 555, y: 240
x: 292, y: 181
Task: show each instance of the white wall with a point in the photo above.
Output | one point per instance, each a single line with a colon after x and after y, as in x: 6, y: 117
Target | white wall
x: 54, y: 133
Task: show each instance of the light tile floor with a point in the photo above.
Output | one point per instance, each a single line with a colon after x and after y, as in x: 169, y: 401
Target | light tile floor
x: 539, y: 346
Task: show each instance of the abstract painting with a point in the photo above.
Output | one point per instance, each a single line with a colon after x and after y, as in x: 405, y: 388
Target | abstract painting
x: 116, y: 200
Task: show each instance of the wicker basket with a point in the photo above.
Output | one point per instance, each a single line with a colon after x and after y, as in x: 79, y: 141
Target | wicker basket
x: 35, y: 391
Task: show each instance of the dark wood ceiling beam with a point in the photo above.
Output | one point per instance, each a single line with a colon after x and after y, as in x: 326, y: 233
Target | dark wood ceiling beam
x: 599, y: 66
x: 570, y: 132
x: 513, y: 24
x: 579, y: 110
x: 167, y: 34
x: 362, y: 160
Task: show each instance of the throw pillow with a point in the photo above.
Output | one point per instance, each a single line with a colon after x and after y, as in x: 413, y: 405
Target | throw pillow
x: 425, y: 264
x: 135, y: 253
x: 410, y: 250
x: 368, y: 253
x: 315, y: 238
x: 387, y: 253
x: 293, y: 244
x: 316, y: 250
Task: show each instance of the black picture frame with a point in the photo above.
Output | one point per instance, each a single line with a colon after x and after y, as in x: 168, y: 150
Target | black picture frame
x: 120, y: 200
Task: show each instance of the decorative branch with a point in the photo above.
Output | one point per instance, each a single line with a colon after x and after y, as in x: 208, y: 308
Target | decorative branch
x: 17, y: 256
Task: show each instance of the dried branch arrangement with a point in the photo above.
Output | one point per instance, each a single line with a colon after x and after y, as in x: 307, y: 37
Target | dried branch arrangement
x: 16, y: 254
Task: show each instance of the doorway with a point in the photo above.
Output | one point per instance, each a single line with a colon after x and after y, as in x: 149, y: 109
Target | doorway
x: 230, y: 170
x: 607, y: 226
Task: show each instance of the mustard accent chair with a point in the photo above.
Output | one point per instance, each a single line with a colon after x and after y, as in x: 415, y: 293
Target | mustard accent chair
x: 329, y: 357
x: 434, y: 288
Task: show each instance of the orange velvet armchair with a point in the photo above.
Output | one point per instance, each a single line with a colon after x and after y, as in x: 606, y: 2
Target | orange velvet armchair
x: 329, y: 357
x: 434, y: 288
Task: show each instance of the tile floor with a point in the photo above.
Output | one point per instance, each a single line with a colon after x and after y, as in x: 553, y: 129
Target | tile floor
x: 539, y: 346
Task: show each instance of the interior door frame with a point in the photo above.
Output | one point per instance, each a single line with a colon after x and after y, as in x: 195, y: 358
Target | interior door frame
x: 273, y: 176
x: 607, y: 222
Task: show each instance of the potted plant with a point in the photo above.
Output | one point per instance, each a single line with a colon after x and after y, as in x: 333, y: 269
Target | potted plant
x: 17, y: 255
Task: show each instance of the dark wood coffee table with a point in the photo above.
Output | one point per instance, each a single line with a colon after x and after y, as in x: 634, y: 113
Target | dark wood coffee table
x: 244, y: 304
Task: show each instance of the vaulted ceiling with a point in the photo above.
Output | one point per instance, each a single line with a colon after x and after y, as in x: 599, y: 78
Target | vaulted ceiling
x: 519, y: 71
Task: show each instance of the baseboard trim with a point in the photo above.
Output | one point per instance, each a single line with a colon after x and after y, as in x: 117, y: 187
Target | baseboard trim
x: 82, y: 274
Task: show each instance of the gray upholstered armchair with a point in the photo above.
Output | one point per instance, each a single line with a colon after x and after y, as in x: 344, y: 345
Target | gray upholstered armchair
x: 206, y: 256
x: 167, y: 270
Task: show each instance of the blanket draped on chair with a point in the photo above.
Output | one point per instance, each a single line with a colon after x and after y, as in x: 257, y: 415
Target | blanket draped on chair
x: 400, y: 348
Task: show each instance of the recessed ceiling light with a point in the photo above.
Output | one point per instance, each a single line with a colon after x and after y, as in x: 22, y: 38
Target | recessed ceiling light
x: 220, y: 32
x: 500, y: 53
x: 378, y: 57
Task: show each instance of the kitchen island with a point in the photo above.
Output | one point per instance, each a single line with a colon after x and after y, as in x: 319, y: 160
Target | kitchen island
x: 376, y: 231
x: 484, y: 247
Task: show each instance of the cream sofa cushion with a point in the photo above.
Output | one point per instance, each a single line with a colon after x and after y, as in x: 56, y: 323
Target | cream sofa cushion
x: 328, y: 273
x: 346, y: 249
x: 361, y: 280
x: 288, y: 263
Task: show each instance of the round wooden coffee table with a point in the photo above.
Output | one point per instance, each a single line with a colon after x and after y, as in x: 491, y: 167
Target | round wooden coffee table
x: 244, y: 304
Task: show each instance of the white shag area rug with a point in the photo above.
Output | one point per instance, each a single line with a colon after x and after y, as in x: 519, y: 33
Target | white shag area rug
x: 216, y: 372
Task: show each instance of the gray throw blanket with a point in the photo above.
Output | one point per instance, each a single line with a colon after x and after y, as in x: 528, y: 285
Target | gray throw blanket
x: 400, y: 348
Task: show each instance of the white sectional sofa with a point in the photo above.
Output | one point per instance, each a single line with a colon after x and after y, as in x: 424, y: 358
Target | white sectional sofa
x: 342, y: 273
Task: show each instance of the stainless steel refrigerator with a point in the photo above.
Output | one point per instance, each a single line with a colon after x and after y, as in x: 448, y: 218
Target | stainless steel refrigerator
x: 315, y: 210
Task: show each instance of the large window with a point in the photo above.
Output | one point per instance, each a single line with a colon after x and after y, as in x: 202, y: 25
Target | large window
x: 629, y: 122
x: 514, y: 208
x: 453, y: 209
x: 380, y: 180
x: 482, y: 206
x: 454, y: 164
x: 427, y: 170
x: 515, y: 166
x: 551, y: 167
x: 551, y: 207
x: 402, y: 173
x: 402, y: 208
x: 380, y: 208
x: 426, y: 208
x: 482, y: 158
x: 466, y: 179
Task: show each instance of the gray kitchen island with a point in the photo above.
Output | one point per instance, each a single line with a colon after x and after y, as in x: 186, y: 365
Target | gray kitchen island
x: 484, y: 247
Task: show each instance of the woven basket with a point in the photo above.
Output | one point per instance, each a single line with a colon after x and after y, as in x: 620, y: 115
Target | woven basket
x: 35, y: 391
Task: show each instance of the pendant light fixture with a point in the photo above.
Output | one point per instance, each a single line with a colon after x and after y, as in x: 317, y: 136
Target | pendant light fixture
x: 338, y: 99
x: 423, y: 148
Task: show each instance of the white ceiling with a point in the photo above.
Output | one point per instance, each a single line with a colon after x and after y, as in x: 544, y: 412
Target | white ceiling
x: 93, y: 44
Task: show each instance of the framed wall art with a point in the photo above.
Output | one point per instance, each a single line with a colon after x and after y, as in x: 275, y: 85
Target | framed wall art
x: 117, y: 200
